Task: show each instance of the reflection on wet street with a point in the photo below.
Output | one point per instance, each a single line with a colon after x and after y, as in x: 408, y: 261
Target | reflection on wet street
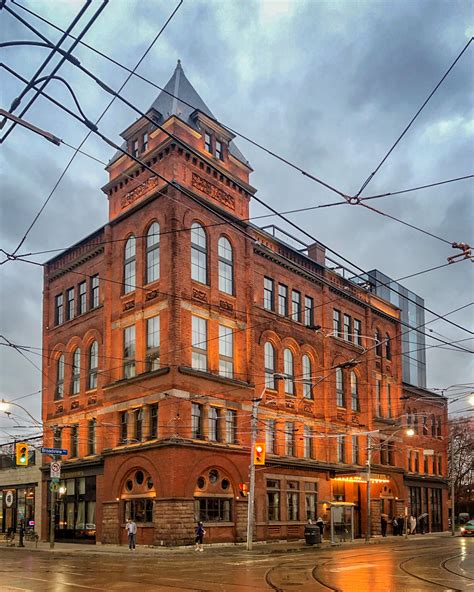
x: 440, y: 564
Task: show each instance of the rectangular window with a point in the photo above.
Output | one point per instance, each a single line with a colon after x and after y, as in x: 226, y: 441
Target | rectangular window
x: 347, y: 328
x: 213, y: 424
x: 82, y: 299
x: 378, y: 397
x: 231, y: 426
x: 282, y: 300
x: 357, y: 332
x: 70, y: 312
x: 355, y: 450
x: 145, y: 142
x: 153, y: 416
x: 213, y: 509
x: 311, y: 500
x: 389, y: 400
x: 289, y: 438
x: 129, y: 352
x: 138, y: 432
x: 139, y: 510
x: 219, y: 151
x: 341, y: 449
x: 296, y: 306
x: 58, y: 437
x: 94, y: 291
x: 292, y: 501
x: 270, y: 435
x: 199, y: 343
x: 196, y: 421
x: 340, y: 396
x: 123, y: 427
x: 152, y: 343
x: 268, y: 294
x: 417, y: 461
x: 226, y: 351
x: 207, y: 142
x: 426, y: 463
x: 336, y: 322
x: 307, y: 441
x: 91, y: 444
x: 74, y: 452
x: 273, y: 500
x: 135, y: 148
x: 59, y: 309
x: 308, y: 311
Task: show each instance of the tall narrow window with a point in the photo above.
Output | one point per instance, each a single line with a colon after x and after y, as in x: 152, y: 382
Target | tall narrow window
x: 59, y: 309
x: 226, y: 351
x: 389, y: 400
x: 199, y: 343
x: 70, y: 312
x: 91, y: 436
x: 145, y: 142
x: 129, y: 275
x: 269, y: 352
x: 95, y: 301
x: 226, y: 270
x: 438, y: 428
x: 311, y: 500
x: 296, y: 306
x: 341, y: 449
x: 153, y: 253
x: 129, y: 352
x: 93, y: 365
x: 307, y: 377
x: 282, y: 300
x: 388, y: 347
x: 288, y: 369
x: 82, y: 298
x: 124, y: 427
x: 378, y: 397
x: 270, y: 435
x: 289, y: 438
x: 74, y: 441
x: 355, y: 450
x: 219, y: 151
x: 76, y: 371
x: 60, y: 377
x: 308, y: 311
x: 292, y: 500
x: 273, y: 500
x: 135, y: 148
x: 354, y: 392
x: 198, y: 253
x: 340, y: 396
x: 153, y: 416
x: 207, y: 142
x: 196, y: 421
x: 357, y: 332
x: 230, y: 426
x: 57, y: 437
x: 138, y: 424
x: 433, y: 426
x: 152, y: 343
x: 336, y: 322
x: 307, y: 442
x: 347, y: 328
x: 378, y: 343
x: 268, y: 294
x: 213, y: 424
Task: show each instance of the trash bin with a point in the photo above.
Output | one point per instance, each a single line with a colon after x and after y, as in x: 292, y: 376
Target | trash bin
x: 312, y: 534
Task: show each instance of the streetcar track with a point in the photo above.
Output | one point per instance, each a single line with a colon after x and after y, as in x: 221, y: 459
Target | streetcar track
x: 443, y: 565
x: 401, y: 566
x: 322, y: 582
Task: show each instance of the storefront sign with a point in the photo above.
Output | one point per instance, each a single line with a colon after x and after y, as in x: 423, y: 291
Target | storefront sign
x: 9, y: 498
x: 362, y: 478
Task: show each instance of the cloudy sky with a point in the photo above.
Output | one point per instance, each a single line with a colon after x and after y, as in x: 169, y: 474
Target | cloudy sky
x: 327, y: 85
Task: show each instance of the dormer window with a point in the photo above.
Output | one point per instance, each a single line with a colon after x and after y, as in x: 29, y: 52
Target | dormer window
x: 208, y: 142
x: 145, y: 142
x: 219, y: 151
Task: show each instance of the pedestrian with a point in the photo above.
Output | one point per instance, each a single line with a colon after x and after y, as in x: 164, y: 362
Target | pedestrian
x: 395, y: 526
x: 421, y: 523
x: 412, y: 524
x: 383, y: 524
x: 320, y: 524
x: 200, y: 532
x: 401, y: 522
x: 131, y: 528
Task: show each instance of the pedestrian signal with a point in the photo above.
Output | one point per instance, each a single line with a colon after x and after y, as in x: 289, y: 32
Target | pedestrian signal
x: 21, y: 450
x: 259, y: 454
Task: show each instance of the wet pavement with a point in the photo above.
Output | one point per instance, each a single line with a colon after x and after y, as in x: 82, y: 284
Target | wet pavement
x: 417, y: 564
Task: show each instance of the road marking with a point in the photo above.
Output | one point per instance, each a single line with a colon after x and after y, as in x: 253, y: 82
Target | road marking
x: 59, y: 583
x: 349, y: 567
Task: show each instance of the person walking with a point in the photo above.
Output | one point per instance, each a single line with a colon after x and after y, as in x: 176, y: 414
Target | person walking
x: 383, y: 524
x: 412, y: 524
x: 131, y: 528
x: 320, y: 525
x: 200, y: 532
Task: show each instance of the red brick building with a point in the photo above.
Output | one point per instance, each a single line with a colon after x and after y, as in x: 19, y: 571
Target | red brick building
x: 163, y: 325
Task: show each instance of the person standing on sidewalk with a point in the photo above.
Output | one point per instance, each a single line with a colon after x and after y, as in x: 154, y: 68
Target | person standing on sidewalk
x: 131, y: 528
x: 383, y: 524
x: 412, y: 524
x: 320, y: 525
x: 200, y: 532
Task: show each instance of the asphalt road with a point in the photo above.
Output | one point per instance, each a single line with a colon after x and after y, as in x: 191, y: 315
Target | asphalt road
x: 442, y: 564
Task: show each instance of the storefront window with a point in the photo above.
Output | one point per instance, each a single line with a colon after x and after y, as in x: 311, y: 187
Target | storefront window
x: 212, y: 509
x: 213, y: 497
x: 75, y: 509
x: 292, y: 500
x: 273, y: 500
x: 311, y: 500
x: 139, y: 510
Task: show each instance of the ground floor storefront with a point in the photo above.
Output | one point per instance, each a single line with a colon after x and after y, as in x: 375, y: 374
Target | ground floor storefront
x: 17, y: 505
x: 428, y: 498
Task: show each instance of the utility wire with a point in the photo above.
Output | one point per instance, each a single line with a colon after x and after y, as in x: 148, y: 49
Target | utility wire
x: 372, y: 175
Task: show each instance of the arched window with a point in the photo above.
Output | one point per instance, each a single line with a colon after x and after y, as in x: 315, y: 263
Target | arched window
x: 129, y: 271
x: 198, y: 253
x: 76, y: 371
x: 288, y: 369
x: 269, y: 354
x: 93, y: 365
x: 438, y: 428
x: 378, y: 343
x: 226, y: 266
x: 340, y: 397
x: 153, y: 253
x: 59, y: 392
x: 388, y: 347
x: 354, y: 392
x: 306, y: 375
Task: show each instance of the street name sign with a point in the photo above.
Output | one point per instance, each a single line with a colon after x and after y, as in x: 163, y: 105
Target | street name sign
x: 54, y: 451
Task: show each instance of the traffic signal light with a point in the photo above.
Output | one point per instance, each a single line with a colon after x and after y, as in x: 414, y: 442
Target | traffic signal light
x: 259, y: 454
x: 243, y: 489
x: 21, y: 450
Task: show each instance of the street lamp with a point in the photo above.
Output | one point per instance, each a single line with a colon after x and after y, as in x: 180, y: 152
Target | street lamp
x: 5, y: 405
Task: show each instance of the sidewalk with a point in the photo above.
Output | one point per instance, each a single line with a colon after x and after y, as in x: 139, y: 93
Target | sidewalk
x: 259, y: 548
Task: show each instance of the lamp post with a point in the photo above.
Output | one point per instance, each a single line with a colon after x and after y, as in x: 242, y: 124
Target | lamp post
x: 5, y: 405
